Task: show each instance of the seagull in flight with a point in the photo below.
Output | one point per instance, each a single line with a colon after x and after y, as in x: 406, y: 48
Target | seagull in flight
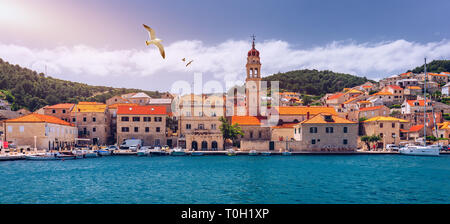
x: 154, y: 40
x: 189, y: 63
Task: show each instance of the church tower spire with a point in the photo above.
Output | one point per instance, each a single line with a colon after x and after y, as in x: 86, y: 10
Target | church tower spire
x: 253, y: 81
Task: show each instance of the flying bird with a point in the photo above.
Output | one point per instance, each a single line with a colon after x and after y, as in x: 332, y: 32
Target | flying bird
x: 189, y: 63
x: 154, y: 40
x: 184, y: 59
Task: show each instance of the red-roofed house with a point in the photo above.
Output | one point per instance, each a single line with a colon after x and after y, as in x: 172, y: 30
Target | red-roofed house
x: 369, y: 112
x: 40, y: 132
x: 397, y: 92
x: 61, y: 111
x: 415, y: 106
x: 142, y: 122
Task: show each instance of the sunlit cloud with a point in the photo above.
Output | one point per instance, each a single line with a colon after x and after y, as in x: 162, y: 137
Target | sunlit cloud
x: 222, y: 62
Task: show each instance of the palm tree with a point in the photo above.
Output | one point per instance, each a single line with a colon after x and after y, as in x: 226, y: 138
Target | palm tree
x: 230, y: 132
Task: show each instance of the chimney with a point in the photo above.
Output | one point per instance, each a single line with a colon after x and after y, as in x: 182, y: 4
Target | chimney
x: 307, y: 115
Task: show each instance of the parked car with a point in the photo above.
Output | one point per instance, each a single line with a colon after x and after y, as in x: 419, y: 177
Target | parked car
x: 112, y: 147
x: 445, y: 148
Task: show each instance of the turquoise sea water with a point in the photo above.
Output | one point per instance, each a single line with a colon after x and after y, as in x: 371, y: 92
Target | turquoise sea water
x: 223, y: 179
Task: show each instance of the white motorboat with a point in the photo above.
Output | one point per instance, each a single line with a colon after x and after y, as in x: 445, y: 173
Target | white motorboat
x: 50, y: 156
x: 253, y: 153
x: 143, y: 151
x: 178, y: 152
x: 430, y: 150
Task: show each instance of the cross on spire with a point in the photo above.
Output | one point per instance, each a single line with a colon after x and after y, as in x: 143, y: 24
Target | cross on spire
x: 253, y: 38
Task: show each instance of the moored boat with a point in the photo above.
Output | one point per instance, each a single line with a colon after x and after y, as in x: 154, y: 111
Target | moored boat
x: 50, y: 156
x: 266, y: 153
x: 196, y: 153
x: 231, y: 152
x: 144, y: 151
x: 178, y: 152
x: 253, y: 153
x: 430, y: 150
x: 286, y: 153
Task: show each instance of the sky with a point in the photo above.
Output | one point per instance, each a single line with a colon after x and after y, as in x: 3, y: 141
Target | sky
x: 102, y: 42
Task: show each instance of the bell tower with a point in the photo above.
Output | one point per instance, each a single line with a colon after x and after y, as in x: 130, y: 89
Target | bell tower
x: 253, y: 82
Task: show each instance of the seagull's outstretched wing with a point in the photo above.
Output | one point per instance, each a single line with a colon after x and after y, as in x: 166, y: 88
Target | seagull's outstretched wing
x: 150, y: 31
x: 189, y: 63
x: 161, y: 49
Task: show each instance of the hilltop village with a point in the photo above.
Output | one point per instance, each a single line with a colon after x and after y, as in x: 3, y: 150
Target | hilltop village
x: 370, y: 116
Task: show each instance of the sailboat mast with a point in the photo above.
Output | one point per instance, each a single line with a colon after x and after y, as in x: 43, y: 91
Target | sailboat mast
x: 425, y: 106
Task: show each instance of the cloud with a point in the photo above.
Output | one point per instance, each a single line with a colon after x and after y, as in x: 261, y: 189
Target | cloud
x: 144, y: 68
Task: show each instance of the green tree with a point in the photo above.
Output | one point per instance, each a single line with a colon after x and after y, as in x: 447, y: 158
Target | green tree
x: 231, y: 132
x: 306, y: 100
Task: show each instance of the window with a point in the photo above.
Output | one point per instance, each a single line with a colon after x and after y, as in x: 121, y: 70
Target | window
x: 94, y: 129
x: 381, y: 135
x: 312, y: 130
x: 345, y: 129
x: 259, y: 134
x: 251, y: 134
x: 84, y: 119
x: 147, y: 129
x: 213, y: 126
x: 329, y: 130
x: 393, y: 135
x: 21, y: 128
x: 136, y: 129
x: 158, y: 129
x: 74, y: 119
x: 313, y: 141
x: 393, y: 125
x: 381, y: 125
x: 136, y: 119
x: 53, y: 111
x: 125, y: 129
x: 188, y: 126
x: 64, y: 111
x: 147, y: 119
x: 201, y: 126
x: 345, y: 141
x: 125, y: 119
x: 94, y: 119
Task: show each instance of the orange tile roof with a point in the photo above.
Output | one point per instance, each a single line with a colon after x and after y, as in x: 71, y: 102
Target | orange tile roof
x: 382, y: 93
x: 38, y: 118
x: 61, y: 106
x: 371, y: 108
x: 246, y: 120
x: 303, y: 110
x: 395, y: 87
x: 116, y: 105
x: 367, y: 87
x: 364, y: 102
x: 320, y: 119
x: 407, y: 73
x: 382, y: 118
x: 435, y: 74
x: 285, y: 125
x: 414, y: 87
x: 335, y: 96
x: 416, y: 128
x: 141, y: 110
x: 89, y: 107
x: 411, y: 102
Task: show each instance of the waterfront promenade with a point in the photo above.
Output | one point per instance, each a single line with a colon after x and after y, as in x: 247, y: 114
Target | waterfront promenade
x: 21, y: 156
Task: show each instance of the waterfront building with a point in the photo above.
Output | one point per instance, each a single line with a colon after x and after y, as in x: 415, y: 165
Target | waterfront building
x: 139, y: 98
x: 112, y: 113
x: 93, y: 122
x: 296, y: 114
x: 388, y: 128
x: 327, y: 132
x: 257, y: 133
x: 40, y: 131
x: 413, y: 133
x: 414, y: 106
x: 61, y: 111
x: 142, y: 122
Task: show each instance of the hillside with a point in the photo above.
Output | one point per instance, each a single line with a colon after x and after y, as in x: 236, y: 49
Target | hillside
x: 436, y: 66
x: 315, y: 82
x: 32, y: 91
